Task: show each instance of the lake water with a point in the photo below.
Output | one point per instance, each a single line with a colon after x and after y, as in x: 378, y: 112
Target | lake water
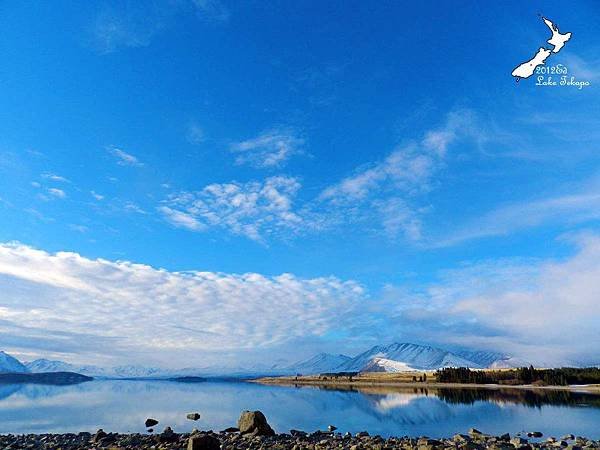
x: 124, y: 406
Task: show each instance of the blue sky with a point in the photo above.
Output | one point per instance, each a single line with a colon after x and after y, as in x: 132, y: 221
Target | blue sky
x: 382, y: 150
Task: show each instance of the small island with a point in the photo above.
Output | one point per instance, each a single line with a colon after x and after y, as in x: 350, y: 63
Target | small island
x: 51, y: 378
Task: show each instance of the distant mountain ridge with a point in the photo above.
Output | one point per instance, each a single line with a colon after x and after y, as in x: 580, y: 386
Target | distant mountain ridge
x: 323, y: 362
x: 407, y: 356
x: 396, y: 357
x: 10, y: 364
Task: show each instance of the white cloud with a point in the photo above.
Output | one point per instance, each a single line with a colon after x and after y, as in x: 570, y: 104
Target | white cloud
x: 389, y: 190
x: 544, y: 312
x: 55, y: 177
x: 123, y: 158
x: 136, y: 24
x: 408, y: 168
x: 79, y: 228
x: 539, y: 311
x: 253, y: 209
x: 181, y: 219
x: 133, y: 312
x: 271, y: 148
x: 570, y: 209
x: 58, y: 193
x: 133, y: 207
x: 96, y: 195
x: 112, y: 30
x: 397, y: 217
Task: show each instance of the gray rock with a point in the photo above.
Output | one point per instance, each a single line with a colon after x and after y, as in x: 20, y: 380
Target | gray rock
x: 255, y: 423
x: 150, y: 422
x: 518, y: 441
x: 332, y: 428
x: 100, y: 434
x: 460, y: 438
x: 168, y: 435
x: 203, y: 442
x: 193, y: 416
x: 298, y: 433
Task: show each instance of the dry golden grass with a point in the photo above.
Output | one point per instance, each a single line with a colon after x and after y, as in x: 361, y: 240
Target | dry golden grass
x: 380, y: 381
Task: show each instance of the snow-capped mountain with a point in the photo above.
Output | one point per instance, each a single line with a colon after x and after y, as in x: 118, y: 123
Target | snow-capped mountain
x: 386, y: 365
x: 323, y: 362
x: 48, y: 365
x: 411, y: 357
x: 483, y: 358
x: 127, y: 371
x: 11, y: 364
x: 397, y: 357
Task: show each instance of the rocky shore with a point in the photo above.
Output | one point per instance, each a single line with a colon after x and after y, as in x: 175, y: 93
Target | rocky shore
x: 253, y: 432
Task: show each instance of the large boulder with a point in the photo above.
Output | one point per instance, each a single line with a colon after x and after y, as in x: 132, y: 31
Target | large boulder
x: 254, y: 422
x: 150, y: 422
x: 203, y: 442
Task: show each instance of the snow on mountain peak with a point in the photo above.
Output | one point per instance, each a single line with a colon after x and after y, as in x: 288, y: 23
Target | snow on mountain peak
x: 407, y: 356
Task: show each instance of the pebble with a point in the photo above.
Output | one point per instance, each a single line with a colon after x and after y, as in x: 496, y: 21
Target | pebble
x: 296, y: 439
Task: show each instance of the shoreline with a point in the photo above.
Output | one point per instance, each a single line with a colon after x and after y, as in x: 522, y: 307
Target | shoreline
x: 294, y: 440
x: 357, y: 383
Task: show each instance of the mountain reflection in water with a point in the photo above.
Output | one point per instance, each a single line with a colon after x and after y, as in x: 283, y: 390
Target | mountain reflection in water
x: 124, y: 405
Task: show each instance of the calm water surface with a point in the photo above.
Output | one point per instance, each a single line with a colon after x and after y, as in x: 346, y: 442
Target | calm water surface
x: 124, y: 405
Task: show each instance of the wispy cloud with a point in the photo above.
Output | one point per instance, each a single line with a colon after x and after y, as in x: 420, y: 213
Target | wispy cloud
x: 96, y: 195
x: 136, y: 24
x: 133, y: 207
x: 55, y: 177
x: 391, y: 187
x: 195, y: 134
x: 566, y: 209
x: 587, y: 69
x: 181, y: 219
x: 212, y: 9
x: 253, y: 209
x: 58, y: 193
x: 269, y: 149
x: 130, y: 27
x: 131, y: 305
x: 497, y: 305
x: 79, y: 228
x: 123, y: 158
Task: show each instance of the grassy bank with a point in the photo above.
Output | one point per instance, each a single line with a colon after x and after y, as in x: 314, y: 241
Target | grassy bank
x: 405, y: 380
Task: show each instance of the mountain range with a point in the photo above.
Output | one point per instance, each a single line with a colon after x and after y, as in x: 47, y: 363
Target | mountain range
x: 397, y: 357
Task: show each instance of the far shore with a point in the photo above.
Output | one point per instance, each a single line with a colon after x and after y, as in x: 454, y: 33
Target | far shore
x: 391, y: 381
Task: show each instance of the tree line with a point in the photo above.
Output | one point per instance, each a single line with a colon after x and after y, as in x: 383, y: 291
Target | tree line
x: 524, y: 375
